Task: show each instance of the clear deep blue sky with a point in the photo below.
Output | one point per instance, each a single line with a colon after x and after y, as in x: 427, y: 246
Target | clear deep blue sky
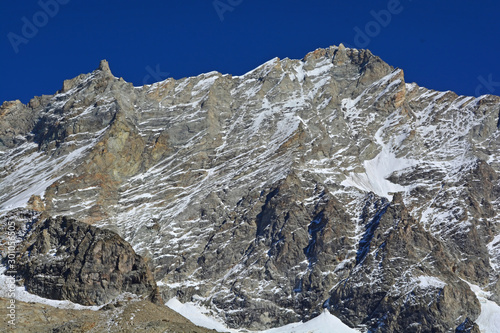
x: 443, y: 45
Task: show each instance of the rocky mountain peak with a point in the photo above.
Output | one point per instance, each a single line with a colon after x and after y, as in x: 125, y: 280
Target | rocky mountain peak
x: 326, y: 182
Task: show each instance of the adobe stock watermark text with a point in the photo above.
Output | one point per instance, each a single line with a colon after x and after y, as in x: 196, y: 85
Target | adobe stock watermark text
x: 31, y: 26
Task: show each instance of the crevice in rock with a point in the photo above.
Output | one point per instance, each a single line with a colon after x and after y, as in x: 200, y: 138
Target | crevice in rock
x: 316, y: 226
x: 498, y: 121
x: 263, y: 219
x: 364, y: 243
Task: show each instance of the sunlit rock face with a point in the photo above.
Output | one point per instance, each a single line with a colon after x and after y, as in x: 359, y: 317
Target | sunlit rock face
x: 327, y: 182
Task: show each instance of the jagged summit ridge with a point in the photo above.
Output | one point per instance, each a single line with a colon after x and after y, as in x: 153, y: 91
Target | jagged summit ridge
x: 327, y: 182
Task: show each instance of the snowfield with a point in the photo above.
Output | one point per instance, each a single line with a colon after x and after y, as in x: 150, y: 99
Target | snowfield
x: 200, y: 316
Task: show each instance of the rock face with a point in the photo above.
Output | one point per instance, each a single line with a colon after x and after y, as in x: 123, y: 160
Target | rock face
x: 64, y: 259
x: 402, y: 277
x: 326, y: 182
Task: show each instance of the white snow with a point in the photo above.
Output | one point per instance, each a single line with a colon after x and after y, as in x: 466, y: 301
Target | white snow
x: 299, y: 72
x: 378, y: 169
x: 494, y: 250
x: 325, y: 322
x: 320, y: 69
x: 206, y: 81
x: 197, y: 315
x: 489, y: 319
x: 430, y: 282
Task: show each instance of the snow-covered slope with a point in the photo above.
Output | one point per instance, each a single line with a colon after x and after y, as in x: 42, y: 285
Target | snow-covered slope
x: 489, y: 319
x: 323, y: 323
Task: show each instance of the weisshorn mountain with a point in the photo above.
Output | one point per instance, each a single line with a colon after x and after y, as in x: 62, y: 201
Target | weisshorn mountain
x: 303, y: 185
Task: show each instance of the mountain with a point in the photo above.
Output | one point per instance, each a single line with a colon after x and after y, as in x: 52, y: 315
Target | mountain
x: 303, y: 185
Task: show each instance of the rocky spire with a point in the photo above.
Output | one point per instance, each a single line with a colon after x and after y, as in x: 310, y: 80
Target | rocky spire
x: 340, y: 55
x: 104, y: 66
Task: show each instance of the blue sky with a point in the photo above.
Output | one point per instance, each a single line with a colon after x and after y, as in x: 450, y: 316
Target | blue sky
x: 443, y: 45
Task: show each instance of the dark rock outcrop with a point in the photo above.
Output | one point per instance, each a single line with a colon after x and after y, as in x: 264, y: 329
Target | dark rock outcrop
x: 468, y: 326
x: 64, y: 259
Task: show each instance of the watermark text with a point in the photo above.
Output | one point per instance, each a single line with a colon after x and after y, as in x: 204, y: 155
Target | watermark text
x: 223, y: 6
x: 11, y: 272
x: 31, y: 27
